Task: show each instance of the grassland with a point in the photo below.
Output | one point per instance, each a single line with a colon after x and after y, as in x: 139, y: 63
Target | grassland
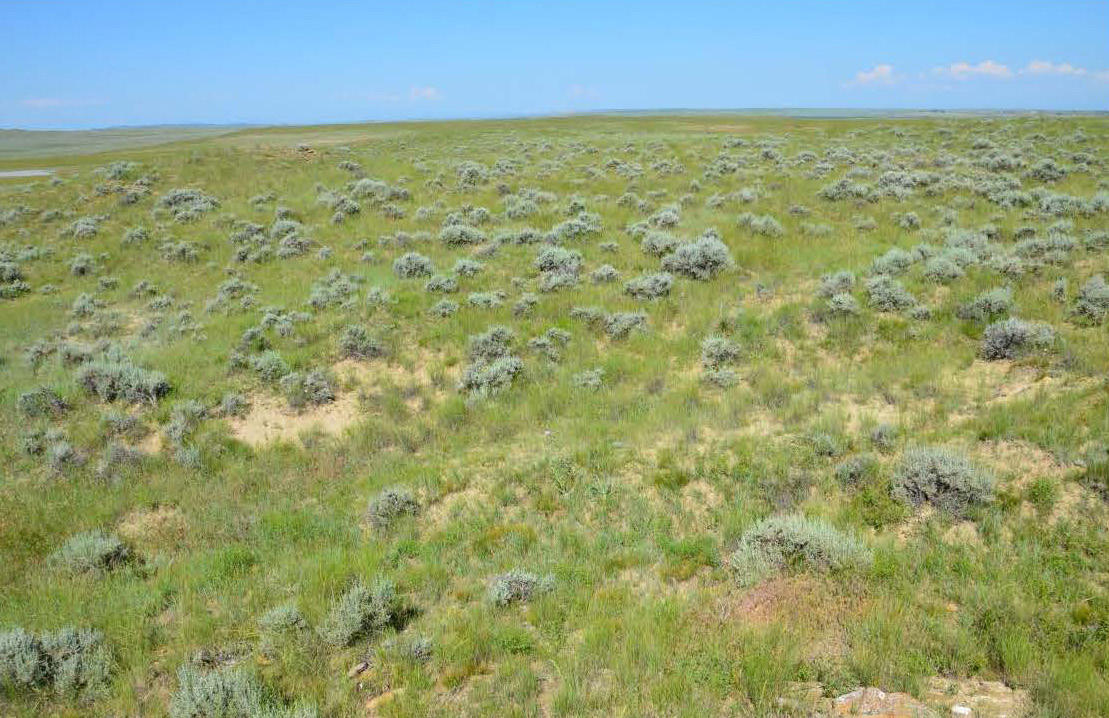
x: 276, y: 469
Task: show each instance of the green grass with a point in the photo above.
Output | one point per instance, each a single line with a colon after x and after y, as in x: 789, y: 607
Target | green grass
x: 630, y: 496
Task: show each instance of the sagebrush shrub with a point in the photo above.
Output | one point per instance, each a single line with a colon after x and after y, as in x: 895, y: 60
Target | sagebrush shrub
x: 412, y: 265
x: 765, y: 225
x: 269, y: 365
x: 894, y: 262
x: 619, y: 325
x: 836, y: 283
x: 659, y: 243
x: 444, y: 308
x: 73, y: 662
x: 1091, y: 305
x: 717, y: 351
x: 1015, y: 338
x: 589, y: 379
x: 943, y: 478
x: 518, y: 587
x: 650, y: 286
x: 887, y: 294
x: 461, y: 234
x: 307, y: 389
x: 356, y: 342
x: 604, y: 274
x: 559, y: 259
x: 442, y: 283
x: 702, y: 258
x: 186, y: 205
x: 41, y: 401
x: 360, y: 611
x: 987, y: 306
x: 943, y: 269
x: 390, y: 505
x: 111, y: 380
x: 92, y: 552
x: 778, y: 543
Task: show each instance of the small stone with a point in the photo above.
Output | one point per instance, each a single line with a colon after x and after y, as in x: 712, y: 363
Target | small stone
x: 357, y: 669
x: 958, y: 710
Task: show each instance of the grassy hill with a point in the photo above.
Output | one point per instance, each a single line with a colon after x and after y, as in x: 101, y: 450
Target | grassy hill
x: 667, y: 415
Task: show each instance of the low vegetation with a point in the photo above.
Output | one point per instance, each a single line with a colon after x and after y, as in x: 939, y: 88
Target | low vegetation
x: 580, y: 416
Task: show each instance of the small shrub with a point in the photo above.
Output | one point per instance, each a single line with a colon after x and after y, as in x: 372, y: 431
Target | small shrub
x: 72, y: 661
x: 356, y: 342
x: 94, y: 552
x: 888, y: 294
x: 793, y: 541
x: 943, y: 478
x: 604, y: 274
x: 659, y: 243
x: 1092, y: 303
x: 894, y: 262
x: 390, y: 505
x: 650, y: 286
x: 619, y: 325
x: 589, y: 379
x: 559, y: 259
x: 41, y: 401
x: 269, y: 365
x: 765, y: 224
x: 884, y: 437
x: 412, y: 265
x: 443, y: 283
x: 987, y: 306
x: 360, y: 611
x: 186, y: 205
x: 486, y: 378
x: 717, y: 351
x: 468, y: 267
x: 942, y: 269
x: 852, y: 472
x: 518, y: 587
x: 110, y: 380
x: 843, y: 305
x: 701, y: 259
x: 836, y: 283
x: 1015, y: 338
x: 444, y: 308
x: 461, y: 234
x: 306, y: 389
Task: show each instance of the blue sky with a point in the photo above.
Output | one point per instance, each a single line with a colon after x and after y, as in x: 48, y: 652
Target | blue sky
x: 105, y: 62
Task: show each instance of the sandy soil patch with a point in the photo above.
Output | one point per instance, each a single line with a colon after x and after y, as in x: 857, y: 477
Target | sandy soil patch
x: 271, y: 420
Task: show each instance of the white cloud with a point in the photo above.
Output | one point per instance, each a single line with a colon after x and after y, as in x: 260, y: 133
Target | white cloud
x: 878, y: 75
x: 964, y: 70
x: 423, y: 93
x: 581, y: 91
x: 1043, y: 67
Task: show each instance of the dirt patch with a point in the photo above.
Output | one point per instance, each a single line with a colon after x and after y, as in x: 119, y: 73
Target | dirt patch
x: 271, y: 420
x: 1029, y: 461
x: 773, y: 600
x: 154, y: 527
